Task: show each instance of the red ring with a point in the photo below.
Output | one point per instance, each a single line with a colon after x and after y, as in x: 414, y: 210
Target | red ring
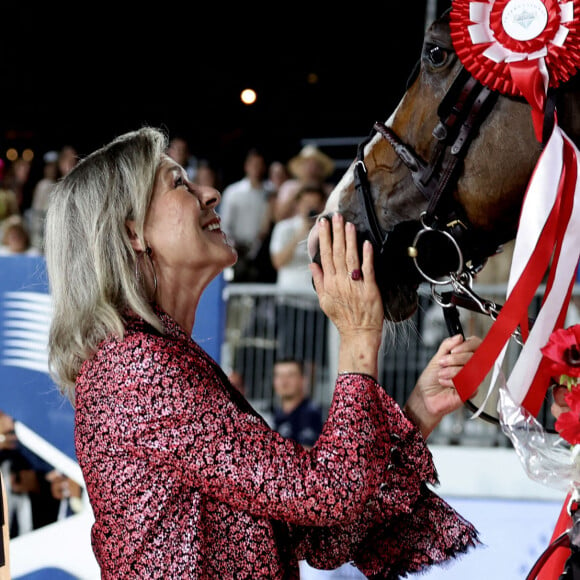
x: 356, y: 274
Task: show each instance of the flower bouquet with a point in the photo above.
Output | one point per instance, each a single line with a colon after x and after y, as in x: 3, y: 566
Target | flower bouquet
x: 553, y: 458
x: 563, y: 352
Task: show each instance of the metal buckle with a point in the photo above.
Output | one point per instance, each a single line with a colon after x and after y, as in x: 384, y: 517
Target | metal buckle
x: 413, y: 253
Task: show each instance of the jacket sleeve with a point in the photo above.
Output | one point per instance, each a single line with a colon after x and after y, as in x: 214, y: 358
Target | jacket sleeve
x: 404, y: 526
x: 364, y: 479
x: 193, y: 426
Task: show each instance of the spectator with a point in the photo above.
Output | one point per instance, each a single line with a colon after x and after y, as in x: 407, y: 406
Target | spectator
x: 18, y: 181
x: 296, y: 417
x: 67, y: 159
x: 30, y: 503
x: 15, y: 239
x: 56, y: 166
x: 178, y: 150
x: 67, y: 492
x: 310, y: 167
x: 206, y: 175
x: 288, y: 244
x: 244, y: 214
x: 44, y: 186
x: 301, y: 323
x: 8, y: 199
x: 277, y: 175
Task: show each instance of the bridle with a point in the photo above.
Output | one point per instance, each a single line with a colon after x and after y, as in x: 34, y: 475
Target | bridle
x: 465, y: 106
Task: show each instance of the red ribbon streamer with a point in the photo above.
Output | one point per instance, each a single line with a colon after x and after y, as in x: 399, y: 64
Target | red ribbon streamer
x: 516, y: 307
x: 535, y: 395
x: 553, y: 568
x: 527, y: 77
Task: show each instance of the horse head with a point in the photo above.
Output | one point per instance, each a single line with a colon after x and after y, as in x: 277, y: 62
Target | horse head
x: 487, y: 191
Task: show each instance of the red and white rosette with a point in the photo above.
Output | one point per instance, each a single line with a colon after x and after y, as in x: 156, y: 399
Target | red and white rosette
x: 521, y: 48
x: 518, y: 47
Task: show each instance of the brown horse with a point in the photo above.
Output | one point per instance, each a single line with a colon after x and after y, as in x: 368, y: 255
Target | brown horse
x: 489, y: 186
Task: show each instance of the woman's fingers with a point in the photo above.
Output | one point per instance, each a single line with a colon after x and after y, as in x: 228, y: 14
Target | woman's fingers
x: 368, y: 265
x: 351, y: 299
x: 325, y: 242
x: 352, y: 258
x: 317, y: 277
x: 454, y: 353
x: 338, y: 250
x: 339, y: 244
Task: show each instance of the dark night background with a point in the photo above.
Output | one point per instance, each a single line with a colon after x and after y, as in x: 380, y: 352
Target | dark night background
x: 83, y: 76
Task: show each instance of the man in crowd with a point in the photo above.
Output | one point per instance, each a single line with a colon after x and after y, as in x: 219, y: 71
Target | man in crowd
x: 297, y: 417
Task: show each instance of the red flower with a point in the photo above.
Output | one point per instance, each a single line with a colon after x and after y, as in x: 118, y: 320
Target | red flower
x: 563, y: 350
x: 568, y: 424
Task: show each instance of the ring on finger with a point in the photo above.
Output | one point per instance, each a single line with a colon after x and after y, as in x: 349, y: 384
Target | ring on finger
x: 356, y: 274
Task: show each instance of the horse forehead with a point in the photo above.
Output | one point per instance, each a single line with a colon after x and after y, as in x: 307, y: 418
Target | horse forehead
x: 346, y: 182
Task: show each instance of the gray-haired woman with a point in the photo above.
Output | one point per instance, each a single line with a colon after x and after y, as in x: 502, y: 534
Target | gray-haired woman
x: 185, y: 479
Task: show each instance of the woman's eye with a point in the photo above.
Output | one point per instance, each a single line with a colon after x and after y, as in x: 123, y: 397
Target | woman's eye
x: 437, y: 56
x: 180, y: 182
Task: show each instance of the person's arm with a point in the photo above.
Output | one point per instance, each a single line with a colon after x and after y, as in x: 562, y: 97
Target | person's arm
x: 195, y: 432
x: 284, y: 243
x: 434, y: 395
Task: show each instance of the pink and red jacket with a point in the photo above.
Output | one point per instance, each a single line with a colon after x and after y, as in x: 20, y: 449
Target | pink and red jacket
x: 187, y: 481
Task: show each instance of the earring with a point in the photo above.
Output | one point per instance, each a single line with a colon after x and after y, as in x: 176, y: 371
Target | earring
x: 138, y: 269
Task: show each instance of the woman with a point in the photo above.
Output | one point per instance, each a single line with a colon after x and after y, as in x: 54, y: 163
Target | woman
x: 185, y: 479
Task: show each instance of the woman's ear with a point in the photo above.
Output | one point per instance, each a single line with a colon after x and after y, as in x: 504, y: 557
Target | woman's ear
x: 133, y: 237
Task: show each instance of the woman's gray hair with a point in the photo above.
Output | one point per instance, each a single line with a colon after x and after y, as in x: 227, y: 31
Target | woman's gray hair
x: 90, y: 260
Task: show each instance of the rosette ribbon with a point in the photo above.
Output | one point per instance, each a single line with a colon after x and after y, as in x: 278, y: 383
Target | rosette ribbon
x: 518, y: 47
x: 522, y: 47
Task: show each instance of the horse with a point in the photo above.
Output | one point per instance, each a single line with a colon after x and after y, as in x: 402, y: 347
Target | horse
x: 471, y: 201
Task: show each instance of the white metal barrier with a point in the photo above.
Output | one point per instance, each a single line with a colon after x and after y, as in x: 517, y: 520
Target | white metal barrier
x: 261, y: 320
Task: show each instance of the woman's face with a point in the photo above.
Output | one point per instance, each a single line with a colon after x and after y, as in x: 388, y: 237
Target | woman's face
x: 182, y: 227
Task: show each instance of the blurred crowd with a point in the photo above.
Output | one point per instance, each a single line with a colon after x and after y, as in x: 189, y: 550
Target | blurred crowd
x: 266, y: 212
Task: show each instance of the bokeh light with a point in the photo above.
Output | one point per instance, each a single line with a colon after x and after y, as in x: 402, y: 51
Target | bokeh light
x: 248, y: 96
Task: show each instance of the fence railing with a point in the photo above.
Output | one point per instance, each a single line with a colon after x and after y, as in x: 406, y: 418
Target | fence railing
x: 265, y: 324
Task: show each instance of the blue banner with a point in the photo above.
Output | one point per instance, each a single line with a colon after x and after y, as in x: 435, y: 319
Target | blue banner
x: 26, y: 389
x: 27, y: 392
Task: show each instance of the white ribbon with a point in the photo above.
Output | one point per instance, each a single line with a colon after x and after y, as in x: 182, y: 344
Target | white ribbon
x: 530, y: 357
x: 538, y: 203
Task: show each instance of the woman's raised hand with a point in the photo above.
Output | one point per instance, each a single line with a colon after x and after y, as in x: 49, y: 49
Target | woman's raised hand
x: 434, y: 395
x: 349, y: 295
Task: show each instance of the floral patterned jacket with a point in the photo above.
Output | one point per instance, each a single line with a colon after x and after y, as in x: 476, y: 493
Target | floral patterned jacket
x: 187, y: 481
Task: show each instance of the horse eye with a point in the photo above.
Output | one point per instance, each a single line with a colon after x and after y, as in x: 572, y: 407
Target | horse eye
x: 437, y: 56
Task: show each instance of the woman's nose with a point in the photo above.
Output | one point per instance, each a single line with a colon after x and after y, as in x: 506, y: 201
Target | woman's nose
x: 209, y: 197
